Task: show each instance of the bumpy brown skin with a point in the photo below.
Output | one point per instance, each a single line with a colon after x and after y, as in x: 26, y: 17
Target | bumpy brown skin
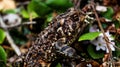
x: 56, y: 38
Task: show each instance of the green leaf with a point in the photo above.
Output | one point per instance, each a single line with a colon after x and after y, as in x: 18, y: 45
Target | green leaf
x: 109, y: 13
x: 58, y: 65
x: 117, y: 51
x: 3, y: 56
x: 2, y: 64
x: 89, y: 36
x: 24, y: 13
x: 2, y: 36
x: 93, y: 53
x: 10, y: 11
x: 117, y: 24
x: 39, y: 7
x: 59, y: 4
x: 49, y: 17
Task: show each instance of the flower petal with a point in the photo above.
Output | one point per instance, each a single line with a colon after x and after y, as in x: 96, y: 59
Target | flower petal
x: 101, y: 8
x: 107, y: 51
x: 112, y: 47
x: 97, y: 48
x: 103, y: 48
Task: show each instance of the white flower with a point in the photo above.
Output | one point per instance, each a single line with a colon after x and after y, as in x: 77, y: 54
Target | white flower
x: 101, y: 8
x: 93, y: 28
x: 100, y: 43
x: 89, y: 65
x: 12, y: 19
x: 108, y: 20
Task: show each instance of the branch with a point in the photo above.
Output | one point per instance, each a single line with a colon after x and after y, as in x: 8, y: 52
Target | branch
x: 23, y: 3
x: 12, y: 26
x: 100, y: 26
x: 9, y: 38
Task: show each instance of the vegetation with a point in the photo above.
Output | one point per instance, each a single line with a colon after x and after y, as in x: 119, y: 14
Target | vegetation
x: 21, y: 21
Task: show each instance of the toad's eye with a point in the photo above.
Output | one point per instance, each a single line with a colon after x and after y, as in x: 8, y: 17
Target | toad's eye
x: 74, y: 17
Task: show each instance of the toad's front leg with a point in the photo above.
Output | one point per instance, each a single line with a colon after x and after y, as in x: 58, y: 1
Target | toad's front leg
x: 65, y: 50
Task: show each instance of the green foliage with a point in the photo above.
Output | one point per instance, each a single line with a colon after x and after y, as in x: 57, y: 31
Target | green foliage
x: 25, y: 14
x: 117, y: 51
x: 39, y: 7
x: 89, y: 36
x: 59, y: 4
x: 58, y: 65
x: 2, y: 36
x: 93, y: 53
x: 117, y: 24
x: 3, y: 57
x: 19, y: 37
x: 49, y: 17
x: 43, y: 8
x: 109, y: 13
x: 10, y: 11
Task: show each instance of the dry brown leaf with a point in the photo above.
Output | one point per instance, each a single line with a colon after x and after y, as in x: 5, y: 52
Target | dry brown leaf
x: 7, y: 4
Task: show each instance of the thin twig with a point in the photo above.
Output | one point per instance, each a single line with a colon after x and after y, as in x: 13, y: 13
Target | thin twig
x: 23, y: 3
x: 105, y: 37
x: 13, y: 26
x: 7, y: 47
x: 28, y: 23
x: 78, y: 4
x: 10, y: 40
x: 116, y: 47
x: 13, y: 45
